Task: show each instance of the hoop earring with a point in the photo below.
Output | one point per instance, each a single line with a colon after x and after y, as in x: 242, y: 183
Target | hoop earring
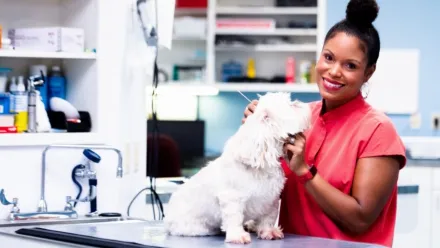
x: 366, y: 85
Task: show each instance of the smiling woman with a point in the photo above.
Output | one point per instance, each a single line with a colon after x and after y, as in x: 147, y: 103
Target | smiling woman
x: 342, y: 172
x: 349, y: 55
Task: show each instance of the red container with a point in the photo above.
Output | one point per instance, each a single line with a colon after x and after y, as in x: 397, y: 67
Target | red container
x: 191, y: 3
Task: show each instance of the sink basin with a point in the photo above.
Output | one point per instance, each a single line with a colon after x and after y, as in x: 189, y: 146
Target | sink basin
x: 8, y: 229
x: 66, y: 221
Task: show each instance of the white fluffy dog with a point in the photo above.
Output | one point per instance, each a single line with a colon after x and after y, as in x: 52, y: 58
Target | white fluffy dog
x: 245, y: 182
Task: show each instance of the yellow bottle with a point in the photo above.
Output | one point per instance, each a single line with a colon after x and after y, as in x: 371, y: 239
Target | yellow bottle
x: 251, y: 71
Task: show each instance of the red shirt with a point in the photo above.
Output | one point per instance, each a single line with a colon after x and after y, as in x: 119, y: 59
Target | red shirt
x: 335, y: 141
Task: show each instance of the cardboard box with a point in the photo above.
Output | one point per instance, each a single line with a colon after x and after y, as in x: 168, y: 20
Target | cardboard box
x: 50, y: 39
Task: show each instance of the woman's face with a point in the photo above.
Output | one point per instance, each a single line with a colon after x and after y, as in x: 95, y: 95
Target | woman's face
x: 341, y: 69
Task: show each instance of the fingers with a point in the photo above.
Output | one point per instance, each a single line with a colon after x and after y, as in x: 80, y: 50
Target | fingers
x: 250, y: 108
x: 300, y: 139
x: 292, y: 150
x: 247, y: 112
x: 296, y: 140
x: 301, y: 135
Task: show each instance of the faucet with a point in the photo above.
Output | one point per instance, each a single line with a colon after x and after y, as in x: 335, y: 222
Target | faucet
x: 15, y: 209
x: 42, y: 205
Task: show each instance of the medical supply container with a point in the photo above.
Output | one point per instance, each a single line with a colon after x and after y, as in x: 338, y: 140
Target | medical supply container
x: 21, y: 106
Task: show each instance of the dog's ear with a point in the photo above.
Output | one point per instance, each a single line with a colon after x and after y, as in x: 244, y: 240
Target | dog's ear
x: 257, y: 149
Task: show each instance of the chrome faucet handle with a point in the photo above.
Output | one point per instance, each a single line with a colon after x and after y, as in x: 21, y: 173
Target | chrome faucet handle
x: 5, y: 202
x: 15, y: 208
x: 42, y: 206
x: 68, y: 206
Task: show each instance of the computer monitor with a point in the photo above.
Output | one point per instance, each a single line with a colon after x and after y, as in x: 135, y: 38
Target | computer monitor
x: 180, y: 147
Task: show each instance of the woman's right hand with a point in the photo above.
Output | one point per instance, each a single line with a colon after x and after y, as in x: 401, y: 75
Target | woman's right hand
x: 250, y: 108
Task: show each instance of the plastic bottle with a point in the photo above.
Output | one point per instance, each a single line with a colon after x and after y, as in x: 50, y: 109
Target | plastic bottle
x: 21, y: 106
x: 290, y: 70
x: 251, y: 70
x: 12, y: 91
x: 57, y: 83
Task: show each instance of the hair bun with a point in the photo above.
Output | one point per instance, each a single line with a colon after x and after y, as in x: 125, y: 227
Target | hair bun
x: 362, y: 12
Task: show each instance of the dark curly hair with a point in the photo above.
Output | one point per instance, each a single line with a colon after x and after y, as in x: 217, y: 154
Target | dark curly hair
x: 360, y: 15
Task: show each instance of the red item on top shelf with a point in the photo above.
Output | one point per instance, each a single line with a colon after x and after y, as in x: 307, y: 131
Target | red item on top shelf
x: 191, y: 3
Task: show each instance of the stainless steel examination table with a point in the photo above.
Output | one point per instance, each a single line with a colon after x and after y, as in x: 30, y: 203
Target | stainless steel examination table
x: 151, y: 234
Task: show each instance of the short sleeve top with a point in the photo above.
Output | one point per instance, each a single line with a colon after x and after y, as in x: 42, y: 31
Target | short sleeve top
x: 334, y: 143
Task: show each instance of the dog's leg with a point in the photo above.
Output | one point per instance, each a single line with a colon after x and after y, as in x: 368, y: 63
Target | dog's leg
x: 232, y: 207
x: 250, y: 226
x: 266, y: 228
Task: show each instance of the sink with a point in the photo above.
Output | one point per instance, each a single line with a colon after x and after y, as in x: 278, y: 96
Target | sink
x: 8, y: 229
x: 66, y: 221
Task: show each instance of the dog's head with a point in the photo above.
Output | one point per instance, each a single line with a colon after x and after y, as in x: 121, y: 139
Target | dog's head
x: 263, y: 134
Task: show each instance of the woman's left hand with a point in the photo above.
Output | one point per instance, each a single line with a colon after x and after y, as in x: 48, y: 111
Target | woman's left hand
x: 294, y: 152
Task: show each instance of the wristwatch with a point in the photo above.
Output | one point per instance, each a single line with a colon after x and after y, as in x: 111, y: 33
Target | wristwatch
x: 309, y: 175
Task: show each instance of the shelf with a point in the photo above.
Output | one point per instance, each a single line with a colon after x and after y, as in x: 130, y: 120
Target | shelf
x: 267, y: 10
x: 190, y: 11
x: 189, y: 38
x: 46, y: 55
x: 43, y: 139
x: 214, y: 89
x: 275, y: 32
x: 265, y: 87
x: 268, y: 48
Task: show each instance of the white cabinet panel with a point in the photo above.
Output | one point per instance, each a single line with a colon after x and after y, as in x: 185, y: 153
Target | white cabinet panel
x: 414, y: 208
x: 435, y: 231
x: 436, y: 179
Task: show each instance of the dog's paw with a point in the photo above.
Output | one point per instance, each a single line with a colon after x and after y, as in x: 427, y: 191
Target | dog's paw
x: 238, y: 237
x: 270, y: 233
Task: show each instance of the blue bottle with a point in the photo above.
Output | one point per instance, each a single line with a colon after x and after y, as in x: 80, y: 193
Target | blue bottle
x: 57, y: 83
x: 231, y: 69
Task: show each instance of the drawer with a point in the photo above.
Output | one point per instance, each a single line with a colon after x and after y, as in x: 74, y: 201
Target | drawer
x: 414, y: 202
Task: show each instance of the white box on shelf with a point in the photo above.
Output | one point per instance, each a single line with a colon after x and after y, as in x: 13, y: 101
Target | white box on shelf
x: 198, y: 27
x: 48, y: 39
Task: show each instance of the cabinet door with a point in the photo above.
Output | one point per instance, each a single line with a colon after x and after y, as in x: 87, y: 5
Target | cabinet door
x: 413, y: 208
x: 436, y: 178
x: 435, y: 231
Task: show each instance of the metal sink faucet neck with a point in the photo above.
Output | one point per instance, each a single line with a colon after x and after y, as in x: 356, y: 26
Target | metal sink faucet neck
x: 42, y: 205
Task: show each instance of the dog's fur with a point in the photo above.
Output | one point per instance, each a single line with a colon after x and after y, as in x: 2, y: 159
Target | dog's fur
x: 245, y: 182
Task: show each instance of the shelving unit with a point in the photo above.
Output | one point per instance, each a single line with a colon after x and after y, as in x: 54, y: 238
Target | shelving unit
x: 45, y: 55
x: 42, y: 139
x: 270, y: 55
x: 85, y: 89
